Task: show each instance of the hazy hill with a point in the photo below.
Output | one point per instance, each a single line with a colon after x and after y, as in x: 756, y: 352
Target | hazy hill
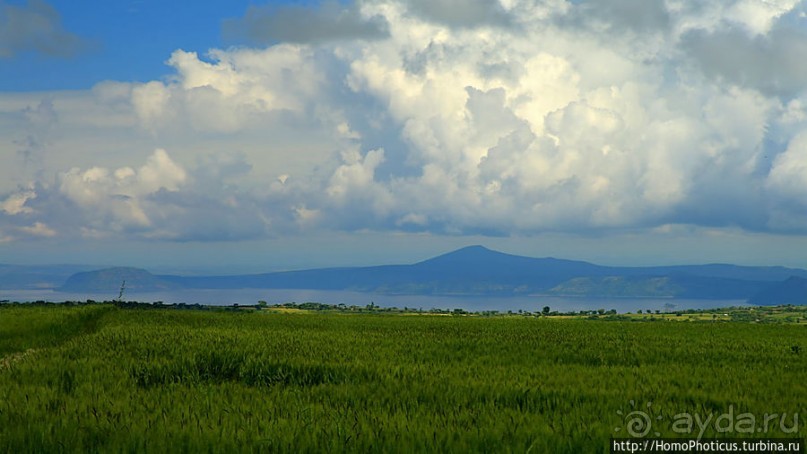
x: 475, y: 270
x: 791, y: 291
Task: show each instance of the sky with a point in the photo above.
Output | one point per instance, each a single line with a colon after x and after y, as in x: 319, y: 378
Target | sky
x: 245, y: 136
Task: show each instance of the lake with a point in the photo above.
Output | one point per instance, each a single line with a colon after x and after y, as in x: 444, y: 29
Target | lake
x: 426, y: 302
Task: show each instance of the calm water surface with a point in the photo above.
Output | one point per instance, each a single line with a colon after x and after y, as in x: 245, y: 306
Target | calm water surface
x: 471, y: 303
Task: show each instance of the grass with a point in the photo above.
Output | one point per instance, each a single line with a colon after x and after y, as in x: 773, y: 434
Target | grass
x: 105, y: 379
x: 25, y: 327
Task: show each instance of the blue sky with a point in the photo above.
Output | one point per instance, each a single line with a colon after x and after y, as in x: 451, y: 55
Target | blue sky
x: 125, y: 40
x: 248, y: 136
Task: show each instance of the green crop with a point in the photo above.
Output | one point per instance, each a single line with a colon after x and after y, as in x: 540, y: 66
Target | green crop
x: 106, y: 379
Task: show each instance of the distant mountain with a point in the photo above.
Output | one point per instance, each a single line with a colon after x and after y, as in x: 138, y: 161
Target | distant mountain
x: 472, y: 270
x: 110, y: 280
x: 475, y: 270
x: 791, y: 291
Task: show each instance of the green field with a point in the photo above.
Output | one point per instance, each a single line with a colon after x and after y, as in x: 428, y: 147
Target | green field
x: 100, y: 378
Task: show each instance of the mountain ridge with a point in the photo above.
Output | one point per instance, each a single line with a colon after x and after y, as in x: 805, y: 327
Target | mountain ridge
x: 476, y: 270
x: 792, y: 290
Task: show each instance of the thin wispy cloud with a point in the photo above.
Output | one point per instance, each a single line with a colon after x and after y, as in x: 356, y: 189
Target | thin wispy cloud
x: 35, y: 27
x: 330, y: 21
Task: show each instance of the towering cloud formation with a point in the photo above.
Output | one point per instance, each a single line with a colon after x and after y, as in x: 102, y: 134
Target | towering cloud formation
x: 501, y: 117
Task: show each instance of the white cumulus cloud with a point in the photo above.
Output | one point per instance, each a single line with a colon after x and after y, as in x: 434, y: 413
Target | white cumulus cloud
x: 517, y: 117
x: 119, y: 198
